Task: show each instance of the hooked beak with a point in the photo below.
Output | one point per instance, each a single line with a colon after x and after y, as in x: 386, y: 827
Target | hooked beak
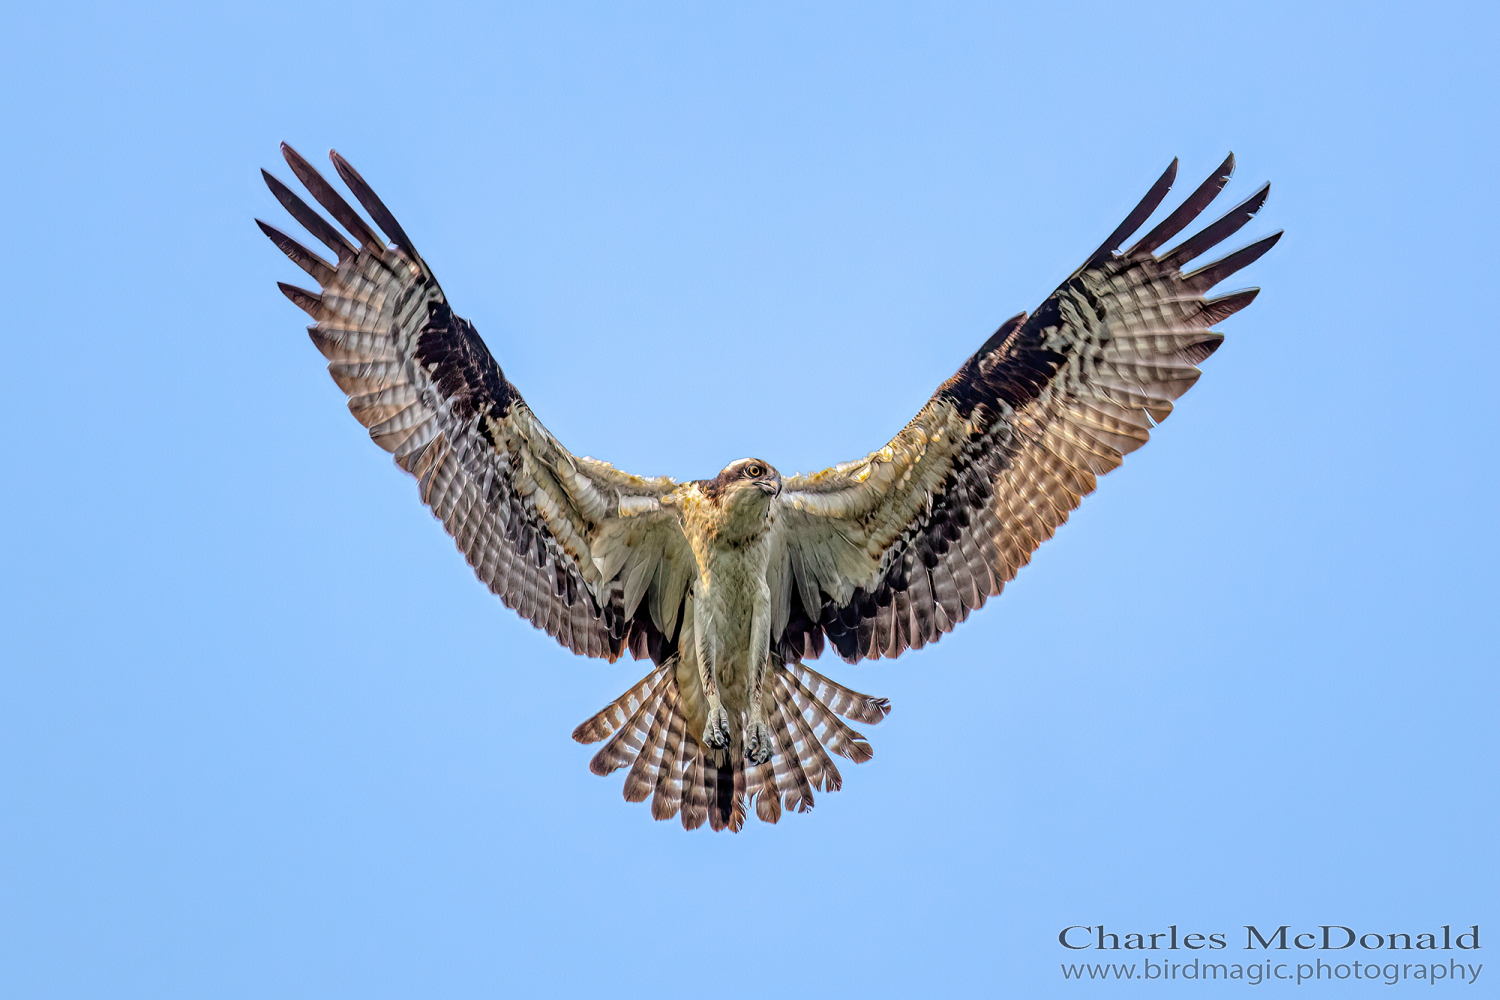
x: 770, y: 489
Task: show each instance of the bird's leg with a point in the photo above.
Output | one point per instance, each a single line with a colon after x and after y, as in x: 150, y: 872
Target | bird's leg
x: 758, y: 742
x: 716, y: 729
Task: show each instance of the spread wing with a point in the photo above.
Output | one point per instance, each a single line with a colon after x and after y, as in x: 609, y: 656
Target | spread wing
x: 577, y: 547
x: 889, y: 552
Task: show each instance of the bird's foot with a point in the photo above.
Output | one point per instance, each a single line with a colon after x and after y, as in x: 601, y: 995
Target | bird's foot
x: 759, y: 746
x: 716, y: 732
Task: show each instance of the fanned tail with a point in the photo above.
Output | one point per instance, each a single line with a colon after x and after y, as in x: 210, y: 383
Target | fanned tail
x: 648, y: 732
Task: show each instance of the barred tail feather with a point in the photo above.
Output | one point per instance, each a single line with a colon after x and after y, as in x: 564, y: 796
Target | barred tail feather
x: 760, y: 789
x: 667, y: 799
x: 725, y: 789
x: 618, y: 712
x: 839, y: 699
x: 822, y: 773
x: 646, y: 730
x: 792, y: 781
x: 642, y: 780
x: 830, y: 730
x: 694, y: 795
x: 626, y: 744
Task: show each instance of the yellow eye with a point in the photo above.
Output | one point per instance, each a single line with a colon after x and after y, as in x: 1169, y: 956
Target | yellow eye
x: 754, y: 471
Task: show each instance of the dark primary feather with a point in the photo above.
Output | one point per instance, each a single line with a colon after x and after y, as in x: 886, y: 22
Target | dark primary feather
x: 319, y: 269
x: 1183, y: 215
x: 330, y: 199
x: 1211, y: 274
x: 309, y: 302
x: 1211, y: 236
x: 1138, y: 215
x: 372, y: 203
x: 310, y: 220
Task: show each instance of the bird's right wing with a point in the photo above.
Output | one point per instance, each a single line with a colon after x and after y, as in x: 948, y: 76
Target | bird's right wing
x: 577, y: 547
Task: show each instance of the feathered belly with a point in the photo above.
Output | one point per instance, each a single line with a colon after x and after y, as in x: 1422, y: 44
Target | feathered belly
x: 728, y: 613
x: 722, y: 605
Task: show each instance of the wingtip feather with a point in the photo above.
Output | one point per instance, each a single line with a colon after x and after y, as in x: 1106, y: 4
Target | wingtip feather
x: 330, y: 199
x: 1138, y: 215
x: 309, y: 302
x: 320, y: 270
x: 1192, y: 206
x: 1219, y: 231
x: 314, y: 223
x: 371, y: 201
x: 1221, y: 308
x: 1210, y: 275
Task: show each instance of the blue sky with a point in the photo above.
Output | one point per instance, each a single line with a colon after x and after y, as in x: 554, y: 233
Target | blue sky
x: 262, y: 734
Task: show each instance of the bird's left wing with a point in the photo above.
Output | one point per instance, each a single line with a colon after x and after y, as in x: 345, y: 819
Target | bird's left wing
x: 577, y: 547
x: 889, y: 552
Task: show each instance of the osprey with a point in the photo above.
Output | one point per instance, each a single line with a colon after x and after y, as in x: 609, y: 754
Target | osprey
x: 730, y: 585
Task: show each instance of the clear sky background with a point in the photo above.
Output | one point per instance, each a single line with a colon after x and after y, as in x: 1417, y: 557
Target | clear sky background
x: 262, y: 733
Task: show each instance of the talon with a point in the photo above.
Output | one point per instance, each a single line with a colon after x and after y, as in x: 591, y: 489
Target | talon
x: 758, y: 743
x: 716, y: 732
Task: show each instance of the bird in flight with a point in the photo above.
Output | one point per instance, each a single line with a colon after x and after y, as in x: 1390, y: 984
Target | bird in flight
x: 730, y: 585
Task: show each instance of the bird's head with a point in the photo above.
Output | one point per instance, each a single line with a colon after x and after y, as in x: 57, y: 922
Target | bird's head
x: 746, y: 483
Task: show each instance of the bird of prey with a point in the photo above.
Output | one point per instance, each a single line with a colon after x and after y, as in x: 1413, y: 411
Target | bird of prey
x: 730, y: 585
